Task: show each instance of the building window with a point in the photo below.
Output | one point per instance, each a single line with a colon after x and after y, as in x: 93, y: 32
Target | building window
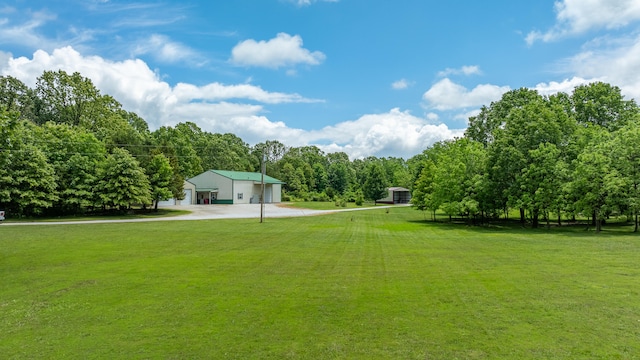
x: 239, y: 196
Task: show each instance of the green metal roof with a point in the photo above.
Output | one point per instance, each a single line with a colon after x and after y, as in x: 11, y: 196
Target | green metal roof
x: 247, y: 176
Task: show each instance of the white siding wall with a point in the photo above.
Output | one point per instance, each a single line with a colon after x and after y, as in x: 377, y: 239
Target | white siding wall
x: 206, y: 177
x: 272, y: 193
x: 225, y: 187
x: 276, y: 196
x: 245, y: 188
x: 228, y: 189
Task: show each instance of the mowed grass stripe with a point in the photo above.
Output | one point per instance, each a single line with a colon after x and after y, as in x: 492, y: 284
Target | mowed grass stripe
x: 369, y: 284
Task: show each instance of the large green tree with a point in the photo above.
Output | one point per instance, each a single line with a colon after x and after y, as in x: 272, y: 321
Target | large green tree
x: 160, y: 176
x: 597, y: 185
x: 122, y: 182
x: 422, y: 196
x: 483, y: 127
x: 74, y: 154
x: 69, y: 99
x: 15, y: 96
x: 338, y: 177
x: 27, y: 180
x: 376, y: 183
x: 542, y: 181
x: 526, y: 127
x: 458, y: 177
x: 626, y: 152
x: 602, y: 104
x: 179, y: 145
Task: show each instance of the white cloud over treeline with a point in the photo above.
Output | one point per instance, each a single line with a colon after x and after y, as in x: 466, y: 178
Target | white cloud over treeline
x: 236, y: 108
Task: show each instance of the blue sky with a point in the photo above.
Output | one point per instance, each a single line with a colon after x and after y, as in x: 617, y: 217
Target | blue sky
x: 365, y: 77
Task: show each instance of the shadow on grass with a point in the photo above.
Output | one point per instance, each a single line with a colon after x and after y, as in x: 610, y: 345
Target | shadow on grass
x: 104, y: 215
x: 572, y: 229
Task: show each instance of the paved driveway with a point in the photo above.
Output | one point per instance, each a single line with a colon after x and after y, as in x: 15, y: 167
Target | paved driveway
x: 206, y: 212
x: 240, y: 211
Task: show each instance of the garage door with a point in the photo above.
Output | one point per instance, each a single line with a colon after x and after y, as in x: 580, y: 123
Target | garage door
x: 187, y: 197
x: 169, y: 202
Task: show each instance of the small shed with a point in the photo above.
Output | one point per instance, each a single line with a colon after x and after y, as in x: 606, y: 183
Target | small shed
x: 396, y: 195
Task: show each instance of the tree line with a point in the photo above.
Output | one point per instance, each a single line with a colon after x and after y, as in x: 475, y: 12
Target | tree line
x: 65, y: 148
x: 550, y: 157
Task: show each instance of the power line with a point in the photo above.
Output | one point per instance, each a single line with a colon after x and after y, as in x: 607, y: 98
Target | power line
x: 88, y: 154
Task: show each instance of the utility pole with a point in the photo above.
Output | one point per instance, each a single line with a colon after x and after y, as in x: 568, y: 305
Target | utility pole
x: 264, y: 169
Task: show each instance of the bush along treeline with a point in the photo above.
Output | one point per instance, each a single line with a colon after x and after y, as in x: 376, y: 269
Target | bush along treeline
x: 67, y: 149
x: 553, y: 158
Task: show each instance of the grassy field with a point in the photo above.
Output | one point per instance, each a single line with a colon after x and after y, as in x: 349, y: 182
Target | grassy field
x: 363, y: 285
x: 328, y: 205
x: 134, y: 214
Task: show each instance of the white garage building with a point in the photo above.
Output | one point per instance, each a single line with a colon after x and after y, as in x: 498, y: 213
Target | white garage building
x: 231, y: 187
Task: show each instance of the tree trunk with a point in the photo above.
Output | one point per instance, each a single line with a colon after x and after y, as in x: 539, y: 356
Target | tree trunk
x: 593, y: 219
x: 636, y: 227
x: 597, y: 221
x: 522, y: 219
x: 535, y: 219
x: 155, y: 206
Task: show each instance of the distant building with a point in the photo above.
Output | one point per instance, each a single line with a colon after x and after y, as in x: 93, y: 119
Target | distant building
x: 396, y: 195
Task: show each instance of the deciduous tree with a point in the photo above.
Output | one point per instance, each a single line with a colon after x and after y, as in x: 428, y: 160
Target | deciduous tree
x: 160, y: 176
x: 122, y: 182
x: 376, y: 184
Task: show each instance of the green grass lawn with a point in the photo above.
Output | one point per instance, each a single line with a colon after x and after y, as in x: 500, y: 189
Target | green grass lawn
x: 134, y: 214
x: 364, y: 285
x: 328, y: 205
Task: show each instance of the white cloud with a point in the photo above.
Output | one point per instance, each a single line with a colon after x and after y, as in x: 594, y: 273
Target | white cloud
x: 566, y: 86
x: 395, y: 133
x: 465, y: 70
x: 26, y: 33
x: 465, y: 116
x: 224, y: 108
x: 140, y: 89
x: 5, y: 57
x: 165, y: 50
x: 309, y: 2
x: 216, y: 92
x: 433, y: 117
x: 400, y: 84
x: 579, y: 16
x: 282, y: 51
x: 447, y: 95
x: 615, y: 62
